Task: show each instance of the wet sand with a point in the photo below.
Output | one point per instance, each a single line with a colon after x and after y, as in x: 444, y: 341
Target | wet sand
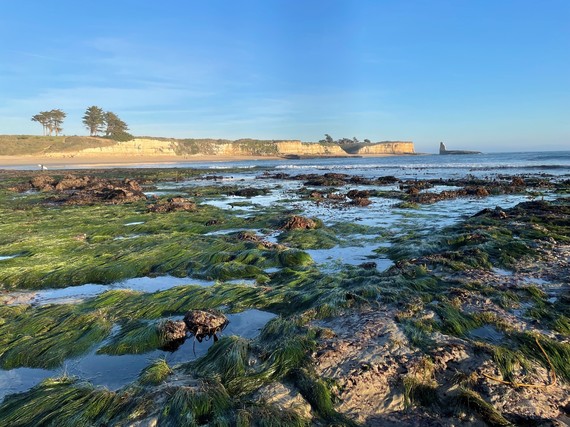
x: 102, y: 160
x: 69, y: 161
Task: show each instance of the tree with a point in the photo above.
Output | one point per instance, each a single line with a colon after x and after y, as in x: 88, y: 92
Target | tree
x: 43, y: 119
x: 51, y: 121
x: 56, y: 120
x: 328, y: 138
x: 94, y: 120
x: 116, y: 128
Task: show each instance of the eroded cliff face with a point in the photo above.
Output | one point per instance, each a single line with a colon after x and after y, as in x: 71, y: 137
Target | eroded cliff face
x: 136, y: 147
x: 404, y: 147
x: 309, y: 149
x: 156, y: 147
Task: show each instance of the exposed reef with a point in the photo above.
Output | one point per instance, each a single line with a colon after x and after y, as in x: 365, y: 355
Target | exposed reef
x: 468, y: 323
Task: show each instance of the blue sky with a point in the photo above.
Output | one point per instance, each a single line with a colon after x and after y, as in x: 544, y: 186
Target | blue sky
x: 488, y: 75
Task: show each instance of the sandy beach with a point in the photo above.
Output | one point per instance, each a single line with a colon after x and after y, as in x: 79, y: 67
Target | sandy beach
x: 69, y: 161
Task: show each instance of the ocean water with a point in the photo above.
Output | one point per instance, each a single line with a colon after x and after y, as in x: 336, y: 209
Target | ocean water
x: 554, y: 163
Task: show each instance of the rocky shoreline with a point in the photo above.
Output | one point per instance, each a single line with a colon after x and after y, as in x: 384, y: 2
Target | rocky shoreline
x: 469, y: 325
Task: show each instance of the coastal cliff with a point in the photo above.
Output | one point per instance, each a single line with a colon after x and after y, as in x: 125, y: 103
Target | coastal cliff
x: 388, y: 147
x: 74, y: 146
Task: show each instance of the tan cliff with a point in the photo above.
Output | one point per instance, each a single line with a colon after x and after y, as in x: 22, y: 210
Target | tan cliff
x: 135, y: 147
x: 167, y: 149
x: 155, y: 147
x: 399, y: 147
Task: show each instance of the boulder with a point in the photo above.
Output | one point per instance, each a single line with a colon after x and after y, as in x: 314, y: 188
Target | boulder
x: 173, y: 330
x: 205, y: 323
x: 43, y: 183
x: 297, y: 222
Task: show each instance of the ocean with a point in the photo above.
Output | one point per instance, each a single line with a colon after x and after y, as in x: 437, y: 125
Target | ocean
x: 552, y: 163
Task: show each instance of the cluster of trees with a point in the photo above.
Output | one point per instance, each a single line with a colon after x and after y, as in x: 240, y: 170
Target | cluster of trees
x: 51, y: 121
x: 329, y: 139
x: 97, y: 121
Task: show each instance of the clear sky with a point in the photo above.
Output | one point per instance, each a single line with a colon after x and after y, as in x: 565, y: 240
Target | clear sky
x: 492, y: 75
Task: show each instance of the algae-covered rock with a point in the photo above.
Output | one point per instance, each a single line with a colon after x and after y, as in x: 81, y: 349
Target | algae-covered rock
x: 173, y: 204
x: 297, y: 222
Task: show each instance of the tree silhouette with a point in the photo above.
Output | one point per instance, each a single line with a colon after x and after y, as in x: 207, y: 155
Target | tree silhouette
x: 116, y: 128
x: 94, y: 120
x: 51, y: 121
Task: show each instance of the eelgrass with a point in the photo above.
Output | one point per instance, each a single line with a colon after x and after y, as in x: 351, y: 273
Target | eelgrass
x: 318, y: 394
x: 454, y: 321
x: 74, y: 245
x: 471, y: 401
x: 268, y: 416
x: 190, y: 406
x: 135, y: 337
x: 227, y: 360
x: 280, y: 349
x: 62, y: 402
x: 45, y: 337
x: 156, y: 373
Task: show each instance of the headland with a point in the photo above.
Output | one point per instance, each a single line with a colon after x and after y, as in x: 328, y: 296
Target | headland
x: 74, y: 150
x: 444, y: 150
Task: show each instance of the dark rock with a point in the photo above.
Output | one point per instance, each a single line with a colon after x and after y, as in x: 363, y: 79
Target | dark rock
x: 389, y: 179
x: 477, y: 191
x: 88, y: 190
x: 43, y: 183
x: 173, y: 205
x: 316, y: 195
x: 517, y: 181
x: 248, y: 192
x: 358, y: 194
x: 493, y: 213
x: 205, y: 323
x: 297, y: 222
x: 413, y: 191
x: 361, y: 201
x: 370, y: 265
x: 336, y: 196
x: 172, y: 330
x: 249, y: 236
x: 71, y: 182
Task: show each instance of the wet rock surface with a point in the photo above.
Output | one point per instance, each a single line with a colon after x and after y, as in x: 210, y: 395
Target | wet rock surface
x: 173, y: 330
x: 205, y: 324
x: 250, y: 236
x: 248, y: 192
x: 297, y: 222
x: 81, y: 190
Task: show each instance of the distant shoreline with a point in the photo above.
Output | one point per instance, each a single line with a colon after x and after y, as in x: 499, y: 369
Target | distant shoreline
x: 70, y: 160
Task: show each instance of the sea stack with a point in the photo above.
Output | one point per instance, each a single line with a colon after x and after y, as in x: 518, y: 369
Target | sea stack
x: 443, y: 150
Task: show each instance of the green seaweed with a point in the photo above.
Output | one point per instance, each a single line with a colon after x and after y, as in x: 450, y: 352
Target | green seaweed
x: 156, y: 373
x: 62, y: 402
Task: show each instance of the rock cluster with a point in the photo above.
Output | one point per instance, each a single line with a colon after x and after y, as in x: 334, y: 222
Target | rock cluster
x: 80, y: 190
x: 199, y: 323
x: 205, y: 323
